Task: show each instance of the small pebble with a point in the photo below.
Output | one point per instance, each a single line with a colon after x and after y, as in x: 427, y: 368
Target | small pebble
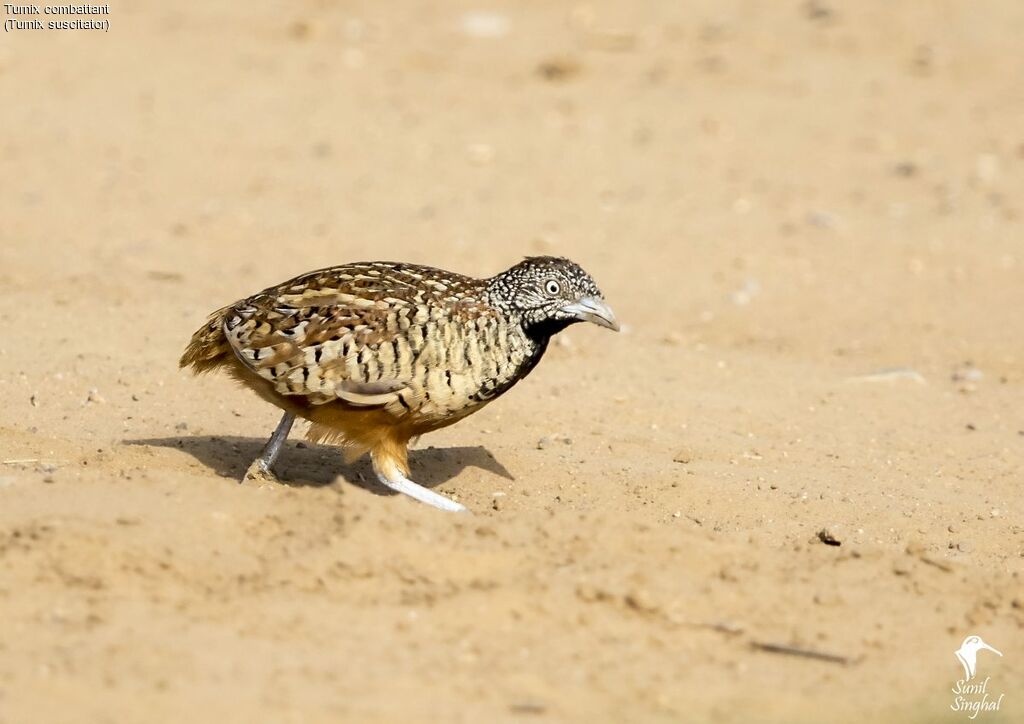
x: 640, y: 600
x: 905, y: 169
x: 830, y: 536
x: 967, y: 373
x: 527, y: 707
x: 558, y: 69
x: 892, y: 374
x: 683, y: 455
x: 548, y: 440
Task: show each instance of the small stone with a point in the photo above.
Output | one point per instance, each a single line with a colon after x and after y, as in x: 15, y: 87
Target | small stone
x: 300, y: 30
x: 527, y: 707
x: 683, y: 455
x: 906, y: 169
x: 828, y: 598
x: 181, y: 426
x: 967, y: 373
x: 891, y: 375
x: 640, y: 600
x: 589, y: 593
x: 830, y: 536
x: 964, y: 546
x: 34, y: 400
x: 549, y: 440
x: 818, y: 11
x: 558, y: 69
x: 914, y: 548
x: 94, y: 397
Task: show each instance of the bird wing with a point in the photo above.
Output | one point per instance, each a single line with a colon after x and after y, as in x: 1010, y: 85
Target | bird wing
x: 353, y: 333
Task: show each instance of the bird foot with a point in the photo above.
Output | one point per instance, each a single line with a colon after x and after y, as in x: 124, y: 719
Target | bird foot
x: 401, y: 484
x: 259, y: 472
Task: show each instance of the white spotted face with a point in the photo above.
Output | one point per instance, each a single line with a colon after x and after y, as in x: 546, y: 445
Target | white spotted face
x: 546, y: 294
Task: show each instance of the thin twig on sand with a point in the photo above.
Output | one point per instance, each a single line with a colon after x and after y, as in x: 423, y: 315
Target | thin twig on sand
x: 798, y: 651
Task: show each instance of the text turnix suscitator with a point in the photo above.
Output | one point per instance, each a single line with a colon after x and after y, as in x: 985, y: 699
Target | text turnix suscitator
x: 376, y: 353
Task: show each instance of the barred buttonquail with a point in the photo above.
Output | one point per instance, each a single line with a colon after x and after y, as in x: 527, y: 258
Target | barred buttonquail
x: 376, y: 353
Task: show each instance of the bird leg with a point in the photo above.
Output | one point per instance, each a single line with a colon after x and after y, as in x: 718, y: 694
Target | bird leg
x: 261, y: 466
x: 390, y: 473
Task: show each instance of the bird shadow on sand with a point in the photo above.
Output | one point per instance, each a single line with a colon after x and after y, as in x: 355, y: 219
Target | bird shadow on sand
x: 303, y: 464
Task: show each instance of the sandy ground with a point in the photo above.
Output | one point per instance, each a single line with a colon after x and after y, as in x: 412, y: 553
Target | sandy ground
x: 784, y: 204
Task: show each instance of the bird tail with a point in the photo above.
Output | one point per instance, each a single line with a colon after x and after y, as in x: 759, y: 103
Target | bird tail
x: 209, y: 347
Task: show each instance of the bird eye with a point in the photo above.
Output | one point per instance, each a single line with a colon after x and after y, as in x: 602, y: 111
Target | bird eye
x: 552, y: 287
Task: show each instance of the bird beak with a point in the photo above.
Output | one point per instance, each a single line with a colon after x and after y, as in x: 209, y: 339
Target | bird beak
x: 994, y: 651
x: 592, y: 309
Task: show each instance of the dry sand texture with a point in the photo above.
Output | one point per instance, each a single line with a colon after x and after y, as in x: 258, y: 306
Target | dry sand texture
x: 779, y: 199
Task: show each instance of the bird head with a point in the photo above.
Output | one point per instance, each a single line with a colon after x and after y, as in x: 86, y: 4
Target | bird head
x: 547, y: 294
